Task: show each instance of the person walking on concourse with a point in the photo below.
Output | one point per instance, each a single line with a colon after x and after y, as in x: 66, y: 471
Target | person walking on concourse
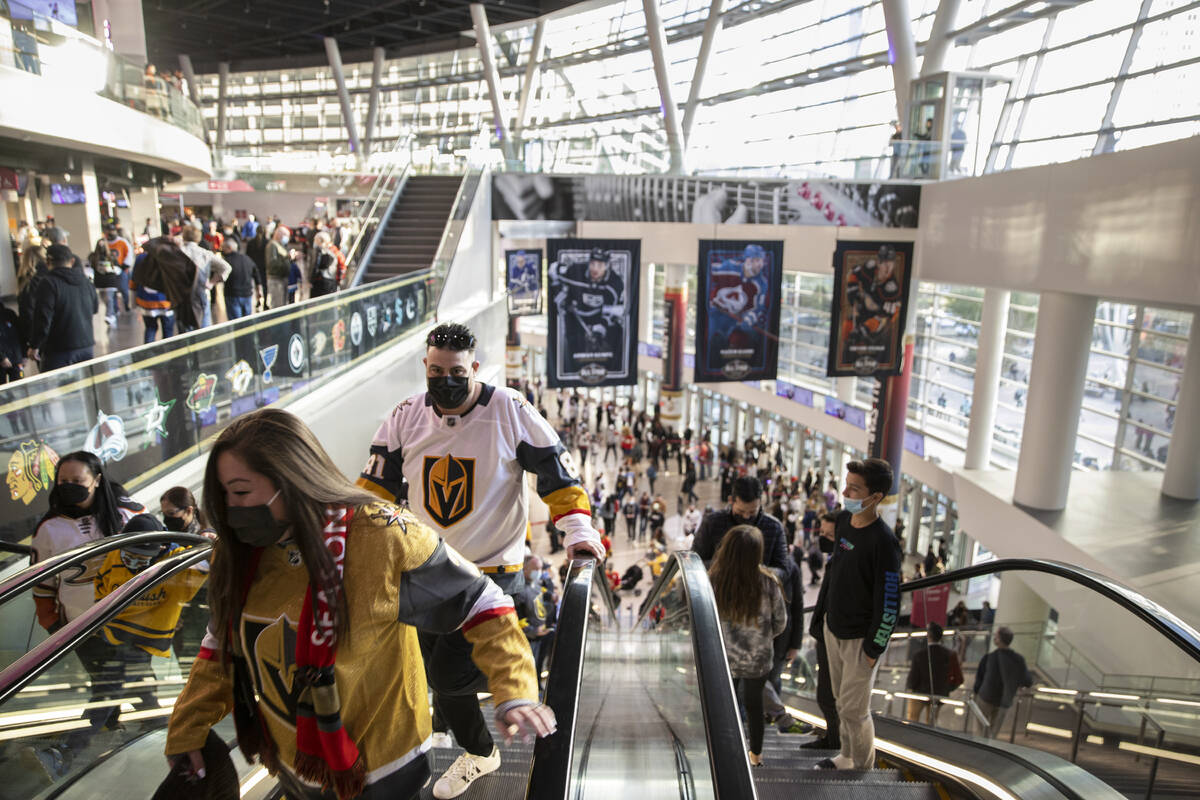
x: 859, y: 603
x: 459, y: 453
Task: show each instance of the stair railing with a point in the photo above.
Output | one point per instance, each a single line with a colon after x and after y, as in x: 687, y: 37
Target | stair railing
x: 377, y: 209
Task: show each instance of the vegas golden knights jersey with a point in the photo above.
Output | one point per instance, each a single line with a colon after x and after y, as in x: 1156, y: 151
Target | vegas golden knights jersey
x: 398, y: 574
x: 464, y: 475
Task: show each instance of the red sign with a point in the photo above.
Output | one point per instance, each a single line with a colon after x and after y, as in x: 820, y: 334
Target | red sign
x: 929, y: 605
x: 230, y: 186
x: 8, y: 180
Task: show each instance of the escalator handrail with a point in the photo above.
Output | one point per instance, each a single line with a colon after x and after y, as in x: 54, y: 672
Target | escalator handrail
x: 18, y: 584
x: 550, y: 768
x: 1170, y: 626
x: 29, y: 666
x: 722, y: 722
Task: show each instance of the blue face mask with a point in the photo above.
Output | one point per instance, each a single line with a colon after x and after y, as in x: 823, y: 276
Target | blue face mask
x: 852, y: 505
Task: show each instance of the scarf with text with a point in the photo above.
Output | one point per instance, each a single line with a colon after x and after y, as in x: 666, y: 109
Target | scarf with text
x: 325, y: 753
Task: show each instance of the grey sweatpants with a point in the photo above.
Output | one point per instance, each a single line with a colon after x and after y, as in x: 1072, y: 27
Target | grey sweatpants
x: 853, y: 678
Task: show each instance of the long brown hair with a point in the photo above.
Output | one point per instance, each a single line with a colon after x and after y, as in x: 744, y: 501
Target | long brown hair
x: 33, y: 255
x: 737, y: 575
x: 280, y: 447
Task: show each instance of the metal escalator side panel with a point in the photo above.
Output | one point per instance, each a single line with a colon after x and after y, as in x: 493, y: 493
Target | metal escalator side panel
x: 26, y: 579
x: 550, y: 768
x: 29, y: 666
x: 730, y: 766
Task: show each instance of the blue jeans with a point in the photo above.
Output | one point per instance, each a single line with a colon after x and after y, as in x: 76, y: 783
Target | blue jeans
x: 124, y: 288
x: 110, y: 303
x: 168, y: 327
x: 239, y: 307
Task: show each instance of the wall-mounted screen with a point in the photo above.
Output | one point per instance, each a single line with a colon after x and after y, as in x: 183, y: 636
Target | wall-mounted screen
x: 67, y: 194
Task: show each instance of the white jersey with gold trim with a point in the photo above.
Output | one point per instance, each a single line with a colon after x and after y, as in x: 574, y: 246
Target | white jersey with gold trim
x: 464, y: 475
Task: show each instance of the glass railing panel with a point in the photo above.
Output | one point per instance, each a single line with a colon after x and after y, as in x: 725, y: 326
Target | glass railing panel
x: 148, y: 409
x: 107, y: 694
x: 1112, y: 683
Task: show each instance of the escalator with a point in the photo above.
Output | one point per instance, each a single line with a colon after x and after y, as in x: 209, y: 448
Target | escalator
x: 647, y: 708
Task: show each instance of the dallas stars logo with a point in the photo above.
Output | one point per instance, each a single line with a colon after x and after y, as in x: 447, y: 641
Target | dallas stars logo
x: 156, y: 416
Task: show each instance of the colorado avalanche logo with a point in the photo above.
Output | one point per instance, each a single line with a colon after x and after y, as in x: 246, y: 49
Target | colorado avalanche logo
x: 106, y: 439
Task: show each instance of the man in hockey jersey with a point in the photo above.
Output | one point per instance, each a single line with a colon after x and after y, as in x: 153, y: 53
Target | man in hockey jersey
x: 459, y: 453
x: 738, y: 296
x: 873, y: 292
x: 591, y: 304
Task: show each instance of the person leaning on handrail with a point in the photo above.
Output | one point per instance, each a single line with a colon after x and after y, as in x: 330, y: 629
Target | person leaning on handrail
x: 316, y: 590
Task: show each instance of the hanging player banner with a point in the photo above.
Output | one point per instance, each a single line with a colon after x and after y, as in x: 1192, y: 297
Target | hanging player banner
x: 593, y: 312
x: 737, y: 310
x: 870, y: 297
x: 524, y: 282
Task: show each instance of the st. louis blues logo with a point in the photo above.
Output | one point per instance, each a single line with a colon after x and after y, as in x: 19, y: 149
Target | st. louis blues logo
x: 268, y: 355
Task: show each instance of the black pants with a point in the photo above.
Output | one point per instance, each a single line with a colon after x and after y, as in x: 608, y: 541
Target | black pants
x: 403, y: 784
x: 631, y: 528
x: 455, y: 679
x: 825, y: 699
x: 751, y: 690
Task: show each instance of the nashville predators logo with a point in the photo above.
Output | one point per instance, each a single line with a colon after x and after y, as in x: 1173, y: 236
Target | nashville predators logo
x: 449, y: 488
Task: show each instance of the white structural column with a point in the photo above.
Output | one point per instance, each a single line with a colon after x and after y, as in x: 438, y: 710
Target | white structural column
x: 339, y: 77
x: 988, y: 363
x: 222, y: 102
x: 847, y: 388
x: 646, y: 306
x: 1056, y: 379
x: 1182, y: 477
x: 483, y: 38
x: 712, y: 26
x: 658, y: 51
x: 902, y: 53
x: 373, y: 102
x: 934, y: 59
x: 531, y: 70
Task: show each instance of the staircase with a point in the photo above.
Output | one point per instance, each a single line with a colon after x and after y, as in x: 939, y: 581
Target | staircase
x: 411, y: 236
x: 787, y: 773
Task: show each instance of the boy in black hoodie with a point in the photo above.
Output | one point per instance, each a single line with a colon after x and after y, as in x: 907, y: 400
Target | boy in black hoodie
x: 859, y: 604
x: 62, y: 317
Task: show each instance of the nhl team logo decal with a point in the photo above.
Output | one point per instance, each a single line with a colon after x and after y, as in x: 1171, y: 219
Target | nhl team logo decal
x: 372, y: 320
x: 356, y: 329
x: 449, y: 488
x: 296, y: 352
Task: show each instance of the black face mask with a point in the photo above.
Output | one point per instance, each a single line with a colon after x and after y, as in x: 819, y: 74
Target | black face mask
x: 738, y: 519
x: 66, y: 497
x: 449, y: 391
x: 256, y: 525
x: 175, y: 524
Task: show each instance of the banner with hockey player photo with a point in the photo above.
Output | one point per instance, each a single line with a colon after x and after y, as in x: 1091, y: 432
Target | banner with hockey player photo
x: 870, y: 301
x: 592, y: 286
x: 737, y: 310
x: 524, y: 270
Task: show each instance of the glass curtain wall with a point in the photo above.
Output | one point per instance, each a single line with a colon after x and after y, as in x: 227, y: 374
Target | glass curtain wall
x: 795, y: 87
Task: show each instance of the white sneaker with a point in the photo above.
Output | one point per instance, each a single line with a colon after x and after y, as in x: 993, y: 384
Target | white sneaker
x: 463, y: 772
x: 442, y: 740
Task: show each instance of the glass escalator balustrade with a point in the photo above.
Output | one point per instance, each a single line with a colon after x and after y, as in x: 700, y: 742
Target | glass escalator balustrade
x: 1107, y: 690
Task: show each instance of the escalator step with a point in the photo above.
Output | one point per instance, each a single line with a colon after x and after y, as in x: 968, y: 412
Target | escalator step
x: 837, y: 791
x: 803, y: 773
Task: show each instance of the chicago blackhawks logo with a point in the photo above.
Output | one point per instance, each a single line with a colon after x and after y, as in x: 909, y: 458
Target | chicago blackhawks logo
x: 449, y: 488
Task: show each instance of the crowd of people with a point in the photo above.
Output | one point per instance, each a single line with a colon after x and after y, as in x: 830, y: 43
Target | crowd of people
x: 178, y: 273
x: 401, y: 568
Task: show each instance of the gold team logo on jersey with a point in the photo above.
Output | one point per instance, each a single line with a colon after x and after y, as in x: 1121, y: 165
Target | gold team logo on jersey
x: 449, y: 488
x: 272, y: 645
